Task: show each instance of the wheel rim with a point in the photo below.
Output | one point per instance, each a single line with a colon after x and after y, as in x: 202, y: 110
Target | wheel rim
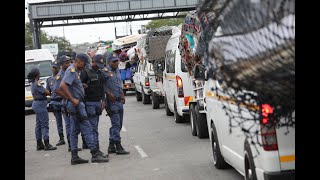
x: 214, y: 148
x: 248, y: 172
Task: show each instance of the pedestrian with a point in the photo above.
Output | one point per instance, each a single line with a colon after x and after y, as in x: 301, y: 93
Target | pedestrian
x: 114, y: 103
x: 39, y: 106
x: 72, y: 87
x: 55, y: 101
x: 92, y: 79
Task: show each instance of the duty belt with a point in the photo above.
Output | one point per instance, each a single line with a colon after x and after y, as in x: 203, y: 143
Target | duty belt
x: 40, y: 99
x: 56, y: 99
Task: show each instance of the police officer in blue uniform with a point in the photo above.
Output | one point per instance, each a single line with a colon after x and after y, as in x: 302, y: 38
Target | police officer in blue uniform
x: 64, y: 62
x: 55, y: 102
x: 92, y: 79
x: 114, y: 103
x: 39, y: 106
x: 72, y: 87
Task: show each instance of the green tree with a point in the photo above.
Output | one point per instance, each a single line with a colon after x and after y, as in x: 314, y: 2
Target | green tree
x: 164, y: 22
x: 46, y: 39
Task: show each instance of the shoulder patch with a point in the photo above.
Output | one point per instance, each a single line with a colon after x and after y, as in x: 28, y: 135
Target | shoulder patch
x: 105, y: 69
x: 72, y: 70
x: 111, y: 74
x: 57, y: 77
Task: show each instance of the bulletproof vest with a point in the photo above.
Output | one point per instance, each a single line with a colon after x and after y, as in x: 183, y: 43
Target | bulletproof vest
x: 94, y: 91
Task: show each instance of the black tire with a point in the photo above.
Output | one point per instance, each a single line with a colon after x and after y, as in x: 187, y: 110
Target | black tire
x: 218, y: 159
x: 138, y: 96
x: 166, y: 108
x: 155, y: 101
x: 250, y: 168
x: 124, y: 91
x: 177, y: 117
x: 145, y: 98
x: 201, y: 124
x: 193, y: 120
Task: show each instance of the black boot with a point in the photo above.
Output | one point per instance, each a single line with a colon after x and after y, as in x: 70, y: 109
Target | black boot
x: 120, y: 150
x: 75, y: 159
x: 111, y: 148
x: 61, y: 141
x: 48, y: 146
x: 101, y: 153
x: 97, y: 157
x: 40, y: 145
x: 69, y: 148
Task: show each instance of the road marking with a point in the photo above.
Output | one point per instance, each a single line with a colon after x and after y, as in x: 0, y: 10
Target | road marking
x: 141, y: 152
x: 123, y: 129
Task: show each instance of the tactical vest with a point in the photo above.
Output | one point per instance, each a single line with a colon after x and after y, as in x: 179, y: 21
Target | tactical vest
x: 94, y: 91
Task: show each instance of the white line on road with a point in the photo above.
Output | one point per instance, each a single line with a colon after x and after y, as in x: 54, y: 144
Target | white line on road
x: 123, y: 129
x: 141, y: 152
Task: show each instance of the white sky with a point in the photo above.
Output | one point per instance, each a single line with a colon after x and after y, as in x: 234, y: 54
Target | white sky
x: 87, y: 33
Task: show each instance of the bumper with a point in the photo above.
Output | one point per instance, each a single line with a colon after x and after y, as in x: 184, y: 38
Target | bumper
x: 284, y: 175
x: 128, y: 86
x: 147, y: 90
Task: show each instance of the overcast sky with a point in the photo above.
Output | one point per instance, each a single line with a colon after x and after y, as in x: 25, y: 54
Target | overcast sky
x: 87, y: 33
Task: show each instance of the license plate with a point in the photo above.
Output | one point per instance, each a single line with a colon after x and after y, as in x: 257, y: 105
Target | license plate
x: 28, y: 88
x: 127, y: 81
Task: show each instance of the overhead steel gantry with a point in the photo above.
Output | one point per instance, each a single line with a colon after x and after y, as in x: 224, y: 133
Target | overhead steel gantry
x: 77, y: 12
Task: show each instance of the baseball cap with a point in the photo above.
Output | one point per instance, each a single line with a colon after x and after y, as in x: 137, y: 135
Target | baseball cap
x: 83, y: 57
x: 55, y: 64
x: 113, y: 57
x: 63, y: 58
x: 99, y: 59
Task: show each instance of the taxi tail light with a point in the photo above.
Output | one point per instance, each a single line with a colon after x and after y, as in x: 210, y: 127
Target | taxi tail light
x: 268, y: 130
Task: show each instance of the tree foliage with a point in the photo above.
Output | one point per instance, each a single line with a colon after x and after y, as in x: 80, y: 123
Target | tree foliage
x: 63, y: 43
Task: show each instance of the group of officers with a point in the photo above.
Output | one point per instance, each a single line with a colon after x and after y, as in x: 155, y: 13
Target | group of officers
x: 79, y: 92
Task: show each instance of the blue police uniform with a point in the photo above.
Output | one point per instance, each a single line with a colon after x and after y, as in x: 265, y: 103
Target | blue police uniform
x: 56, y: 103
x: 113, y: 85
x: 39, y: 106
x: 72, y: 78
x: 63, y: 103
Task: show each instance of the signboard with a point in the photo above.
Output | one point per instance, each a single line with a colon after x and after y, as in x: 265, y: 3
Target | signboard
x: 53, y: 48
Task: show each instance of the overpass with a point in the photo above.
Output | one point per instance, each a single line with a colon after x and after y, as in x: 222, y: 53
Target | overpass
x: 77, y: 12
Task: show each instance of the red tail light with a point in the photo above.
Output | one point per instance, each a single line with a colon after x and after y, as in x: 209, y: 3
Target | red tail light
x: 268, y: 130
x: 147, y: 83
x: 179, y: 86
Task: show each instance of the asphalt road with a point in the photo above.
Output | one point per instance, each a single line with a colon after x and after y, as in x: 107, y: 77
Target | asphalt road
x: 159, y: 149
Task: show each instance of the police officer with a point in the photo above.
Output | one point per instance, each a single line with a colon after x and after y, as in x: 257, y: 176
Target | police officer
x: 92, y: 79
x: 39, y: 106
x: 72, y: 87
x: 64, y: 62
x: 55, y: 102
x: 115, y: 100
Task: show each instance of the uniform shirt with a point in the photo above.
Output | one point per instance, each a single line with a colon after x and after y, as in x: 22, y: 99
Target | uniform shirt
x: 113, y: 83
x: 50, y: 87
x: 72, y: 79
x: 37, y: 90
